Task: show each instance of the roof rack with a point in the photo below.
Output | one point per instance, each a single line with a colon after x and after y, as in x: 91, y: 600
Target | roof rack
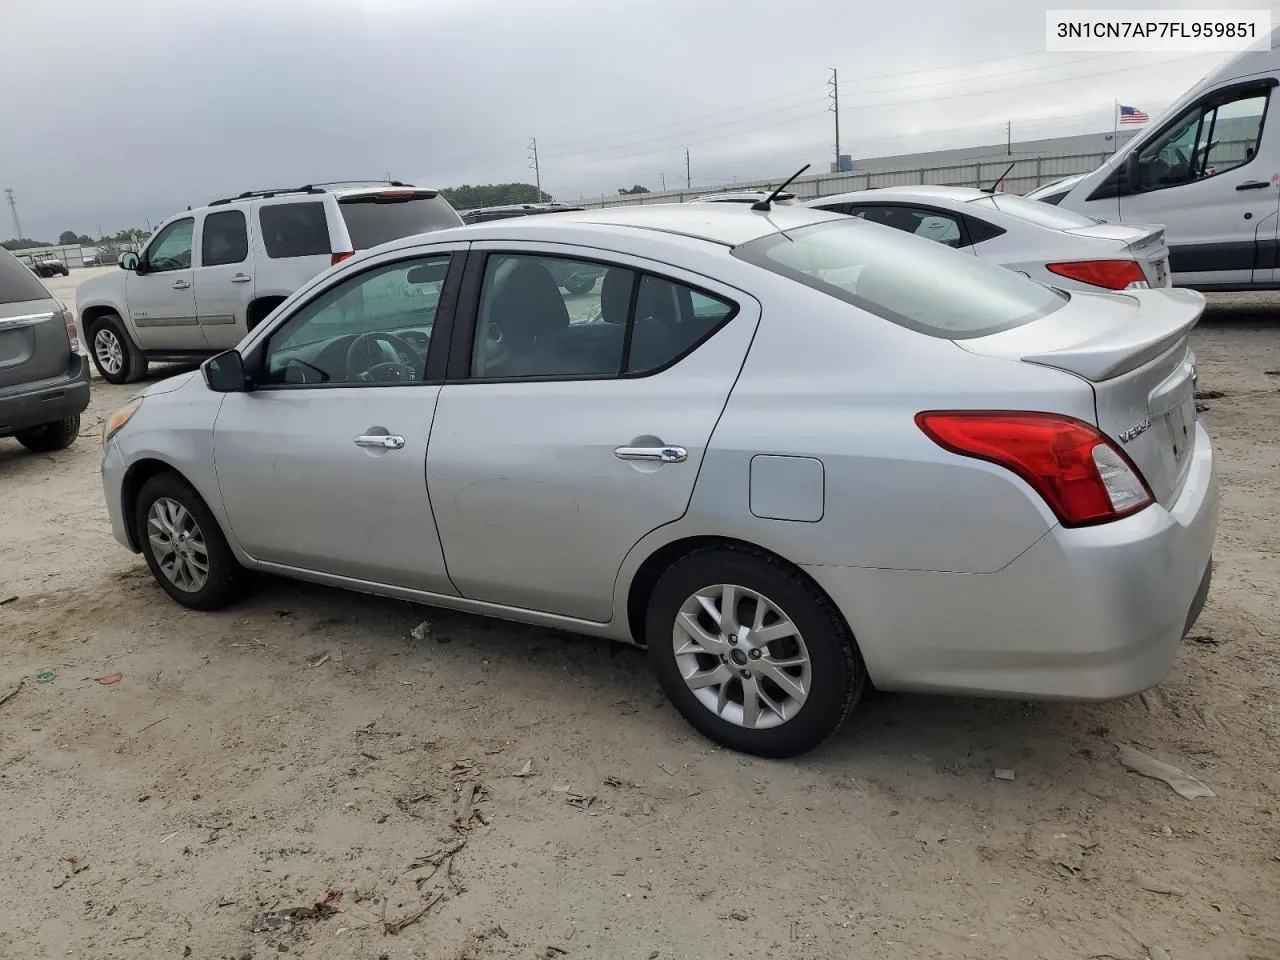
x: 318, y: 187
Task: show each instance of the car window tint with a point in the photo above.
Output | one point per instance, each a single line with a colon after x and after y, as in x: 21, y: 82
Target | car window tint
x: 912, y: 282
x: 378, y: 217
x: 670, y: 320
x: 225, y: 239
x: 930, y: 224
x: 294, y: 229
x: 17, y: 282
x: 547, y: 316
x: 171, y: 249
x: 371, y: 328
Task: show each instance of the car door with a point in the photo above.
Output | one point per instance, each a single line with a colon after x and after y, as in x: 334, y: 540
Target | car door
x: 574, y: 423
x: 321, y: 466
x: 223, y: 278
x: 1209, y: 176
x: 160, y: 293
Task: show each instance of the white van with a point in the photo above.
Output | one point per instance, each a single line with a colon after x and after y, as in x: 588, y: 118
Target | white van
x: 1209, y: 170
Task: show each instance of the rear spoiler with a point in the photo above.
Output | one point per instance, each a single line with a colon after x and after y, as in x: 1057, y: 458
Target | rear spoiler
x: 1163, y: 318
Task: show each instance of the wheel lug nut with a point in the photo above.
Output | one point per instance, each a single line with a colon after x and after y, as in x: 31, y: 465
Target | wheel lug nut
x: 733, y: 641
x: 746, y: 674
x: 753, y: 654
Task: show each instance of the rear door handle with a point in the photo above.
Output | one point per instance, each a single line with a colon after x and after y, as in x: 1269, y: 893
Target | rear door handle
x: 652, y: 454
x: 241, y: 278
x: 380, y: 441
x: 1253, y: 185
x: 181, y: 284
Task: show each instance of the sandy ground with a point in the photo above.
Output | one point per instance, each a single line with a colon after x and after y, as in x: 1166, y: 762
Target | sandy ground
x: 225, y: 775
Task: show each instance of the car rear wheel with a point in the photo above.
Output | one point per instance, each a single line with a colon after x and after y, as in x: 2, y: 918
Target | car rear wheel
x: 115, y: 355
x: 50, y: 436
x: 184, y: 546
x: 752, y: 653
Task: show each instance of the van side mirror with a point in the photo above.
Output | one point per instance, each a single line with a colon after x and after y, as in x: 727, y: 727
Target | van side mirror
x: 128, y: 261
x: 224, y: 373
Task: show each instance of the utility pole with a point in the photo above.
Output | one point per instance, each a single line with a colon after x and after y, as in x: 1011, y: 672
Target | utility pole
x: 663, y: 177
x: 834, y: 83
x: 688, y: 177
x: 537, y: 172
x: 1008, y: 137
x: 13, y: 208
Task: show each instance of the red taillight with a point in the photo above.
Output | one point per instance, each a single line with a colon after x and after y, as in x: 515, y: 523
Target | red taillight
x: 69, y: 318
x: 1082, y: 476
x: 339, y: 257
x: 1111, y: 274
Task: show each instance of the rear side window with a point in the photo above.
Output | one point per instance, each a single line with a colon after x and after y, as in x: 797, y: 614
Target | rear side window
x: 380, y: 217
x: 17, y: 282
x: 225, y: 239
x: 294, y: 229
x: 1037, y: 211
x: 913, y: 282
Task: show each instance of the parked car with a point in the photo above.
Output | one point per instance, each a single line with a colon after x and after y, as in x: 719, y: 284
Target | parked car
x: 44, y: 375
x: 938, y: 475
x: 1206, y: 170
x: 46, y: 267
x: 1053, y: 246
x: 743, y: 196
x: 210, y: 275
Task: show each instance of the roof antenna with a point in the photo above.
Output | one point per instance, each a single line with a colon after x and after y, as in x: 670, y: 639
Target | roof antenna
x: 764, y: 204
x: 999, y: 180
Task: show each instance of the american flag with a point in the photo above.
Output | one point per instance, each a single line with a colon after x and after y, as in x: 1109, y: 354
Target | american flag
x: 1132, y: 115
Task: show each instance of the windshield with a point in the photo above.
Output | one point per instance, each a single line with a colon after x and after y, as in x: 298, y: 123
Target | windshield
x: 908, y: 280
x: 1037, y: 212
x: 379, y: 217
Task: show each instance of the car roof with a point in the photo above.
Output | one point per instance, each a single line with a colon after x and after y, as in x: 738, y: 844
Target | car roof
x: 725, y: 224
x: 921, y: 192
x: 739, y: 196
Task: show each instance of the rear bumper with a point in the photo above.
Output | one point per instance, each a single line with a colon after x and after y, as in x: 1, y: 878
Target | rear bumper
x: 46, y: 401
x: 1085, y: 614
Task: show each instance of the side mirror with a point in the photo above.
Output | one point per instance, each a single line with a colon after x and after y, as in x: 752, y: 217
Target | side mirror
x: 128, y: 261
x: 224, y: 373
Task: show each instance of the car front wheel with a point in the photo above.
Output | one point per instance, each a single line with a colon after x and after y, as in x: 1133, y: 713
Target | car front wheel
x: 184, y: 546
x: 51, y: 436
x: 752, y: 653
x: 115, y: 355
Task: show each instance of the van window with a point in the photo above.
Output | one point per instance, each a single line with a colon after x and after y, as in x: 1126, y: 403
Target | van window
x: 294, y: 229
x: 903, y: 278
x: 376, y: 218
x: 1212, y: 137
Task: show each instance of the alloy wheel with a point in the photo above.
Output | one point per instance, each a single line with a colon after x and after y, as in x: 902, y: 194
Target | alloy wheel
x: 108, y: 350
x: 178, y: 545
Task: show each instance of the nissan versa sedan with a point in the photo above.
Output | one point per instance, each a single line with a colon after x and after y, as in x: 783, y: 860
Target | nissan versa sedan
x: 792, y: 453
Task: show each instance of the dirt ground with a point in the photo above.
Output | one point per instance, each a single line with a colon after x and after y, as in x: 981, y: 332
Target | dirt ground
x: 228, y: 773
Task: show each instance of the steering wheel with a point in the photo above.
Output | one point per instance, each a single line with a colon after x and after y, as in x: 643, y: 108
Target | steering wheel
x: 380, y: 358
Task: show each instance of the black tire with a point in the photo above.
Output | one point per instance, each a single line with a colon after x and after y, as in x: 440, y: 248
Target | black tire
x: 133, y: 365
x: 226, y: 580
x: 837, y: 674
x: 50, y: 436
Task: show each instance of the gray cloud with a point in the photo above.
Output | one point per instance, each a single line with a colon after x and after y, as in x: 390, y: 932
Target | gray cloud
x: 120, y: 113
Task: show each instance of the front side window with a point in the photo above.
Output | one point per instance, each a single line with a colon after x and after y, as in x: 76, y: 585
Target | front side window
x: 1211, y: 138
x: 374, y: 327
x: 294, y: 229
x: 171, y: 249
x: 224, y: 239
x: 930, y: 224
x: 901, y: 278
x: 554, y: 317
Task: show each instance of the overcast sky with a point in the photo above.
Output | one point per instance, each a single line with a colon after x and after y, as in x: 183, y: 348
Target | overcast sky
x: 116, y: 113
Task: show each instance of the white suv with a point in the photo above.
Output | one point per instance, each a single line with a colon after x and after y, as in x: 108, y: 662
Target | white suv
x: 209, y: 276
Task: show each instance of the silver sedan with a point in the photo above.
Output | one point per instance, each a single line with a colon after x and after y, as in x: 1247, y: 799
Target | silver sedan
x: 791, y: 453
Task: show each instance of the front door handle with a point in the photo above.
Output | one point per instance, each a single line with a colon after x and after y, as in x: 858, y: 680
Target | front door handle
x: 241, y: 278
x: 1253, y: 185
x: 380, y: 441
x: 181, y: 284
x: 652, y: 454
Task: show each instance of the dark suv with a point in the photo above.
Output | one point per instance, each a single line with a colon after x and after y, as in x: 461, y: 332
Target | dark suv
x: 44, y: 376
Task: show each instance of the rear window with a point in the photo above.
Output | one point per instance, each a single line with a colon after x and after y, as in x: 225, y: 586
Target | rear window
x: 17, y: 282
x: 1038, y: 212
x: 908, y: 280
x: 379, y: 217
x: 294, y: 229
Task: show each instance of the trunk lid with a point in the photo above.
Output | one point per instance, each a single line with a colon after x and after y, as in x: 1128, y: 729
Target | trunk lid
x: 1145, y: 241
x: 1133, y: 350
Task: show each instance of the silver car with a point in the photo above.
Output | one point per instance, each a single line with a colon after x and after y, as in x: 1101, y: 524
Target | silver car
x: 792, y: 453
